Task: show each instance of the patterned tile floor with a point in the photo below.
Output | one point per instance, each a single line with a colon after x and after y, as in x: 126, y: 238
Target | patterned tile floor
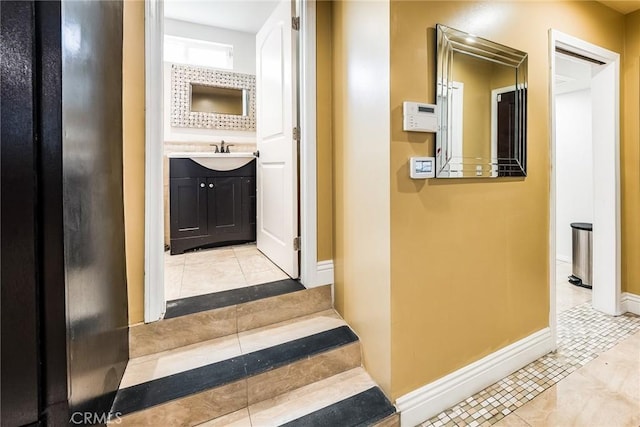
x: 583, y: 334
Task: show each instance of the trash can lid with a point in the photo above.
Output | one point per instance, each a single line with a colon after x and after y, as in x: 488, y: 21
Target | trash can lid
x: 582, y: 226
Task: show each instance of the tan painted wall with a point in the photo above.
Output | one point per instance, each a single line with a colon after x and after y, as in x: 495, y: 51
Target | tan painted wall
x: 361, y: 177
x: 324, y: 127
x: 630, y: 154
x: 469, y: 259
x: 133, y: 153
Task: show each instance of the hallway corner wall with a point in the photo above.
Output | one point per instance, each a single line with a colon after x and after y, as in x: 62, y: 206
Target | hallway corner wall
x: 324, y: 129
x: 361, y: 178
x: 630, y: 155
x: 133, y: 129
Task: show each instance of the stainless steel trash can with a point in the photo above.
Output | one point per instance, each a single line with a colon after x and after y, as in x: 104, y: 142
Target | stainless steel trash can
x: 581, y: 254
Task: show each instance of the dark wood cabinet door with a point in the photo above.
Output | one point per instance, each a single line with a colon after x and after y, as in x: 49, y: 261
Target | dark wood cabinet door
x: 225, y: 207
x: 188, y: 210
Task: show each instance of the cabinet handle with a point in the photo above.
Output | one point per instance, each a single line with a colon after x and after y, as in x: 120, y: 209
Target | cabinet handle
x: 202, y: 185
x: 210, y: 185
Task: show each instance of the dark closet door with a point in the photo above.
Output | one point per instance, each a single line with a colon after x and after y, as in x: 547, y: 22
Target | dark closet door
x: 19, y: 369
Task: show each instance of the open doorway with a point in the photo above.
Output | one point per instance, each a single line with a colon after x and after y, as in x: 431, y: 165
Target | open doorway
x: 210, y: 206
x: 585, y: 183
x: 277, y: 217
x: 574, y: 174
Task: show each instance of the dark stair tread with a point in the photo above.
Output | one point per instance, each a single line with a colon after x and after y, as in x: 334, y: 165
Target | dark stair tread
x: 199, y: 303
x: 363, y: 409
x: 182, y: 384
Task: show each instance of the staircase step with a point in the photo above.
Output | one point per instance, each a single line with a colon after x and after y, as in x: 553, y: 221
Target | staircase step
x: 350, y: 398
x: 206, y: 380
x: 191, y: 305
x: 206, y: 317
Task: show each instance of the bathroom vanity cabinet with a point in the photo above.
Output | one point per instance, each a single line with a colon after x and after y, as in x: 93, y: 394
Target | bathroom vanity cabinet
x: 210, y: 207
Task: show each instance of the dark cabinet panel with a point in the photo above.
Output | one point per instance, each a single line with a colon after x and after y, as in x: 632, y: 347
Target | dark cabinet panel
x: 210, y: 208
x: 225, y: 205
x: 188, y: 207
x: 249, y: 202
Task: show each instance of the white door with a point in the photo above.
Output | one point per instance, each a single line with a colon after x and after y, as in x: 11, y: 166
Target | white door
x: 277, y: 195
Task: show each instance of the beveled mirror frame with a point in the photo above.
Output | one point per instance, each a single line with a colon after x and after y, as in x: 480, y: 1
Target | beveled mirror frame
x: 450, y: 162
x: 183, y: 76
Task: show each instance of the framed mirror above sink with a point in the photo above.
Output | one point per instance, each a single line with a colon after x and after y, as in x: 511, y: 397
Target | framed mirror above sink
x: 208, y: 98
x: 219, y: 100
x: 481, y: 96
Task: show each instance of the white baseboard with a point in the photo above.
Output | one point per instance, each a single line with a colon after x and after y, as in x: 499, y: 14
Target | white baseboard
x: 421, y: 404
x: 324, y: 275
x: 631, y: 303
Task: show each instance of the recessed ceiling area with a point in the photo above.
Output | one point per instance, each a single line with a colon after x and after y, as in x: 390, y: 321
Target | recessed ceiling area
x: 239, y: 15
x: 623, y: 7
x: 572, y: 74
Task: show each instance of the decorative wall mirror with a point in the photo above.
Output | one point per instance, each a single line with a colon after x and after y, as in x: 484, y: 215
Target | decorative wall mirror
x: 212, y: 99
x: 481, y: 94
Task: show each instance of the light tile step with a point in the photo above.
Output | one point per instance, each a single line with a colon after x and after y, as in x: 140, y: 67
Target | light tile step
x: 350, y: 398
x: 206, y: 380
x: 204, y: 318
x: 162, y: 364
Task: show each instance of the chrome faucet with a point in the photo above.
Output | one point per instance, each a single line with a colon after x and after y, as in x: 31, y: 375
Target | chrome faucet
x: 222, y: 147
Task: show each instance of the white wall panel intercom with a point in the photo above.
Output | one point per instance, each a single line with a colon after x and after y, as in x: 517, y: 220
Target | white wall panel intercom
x: 419, y: 117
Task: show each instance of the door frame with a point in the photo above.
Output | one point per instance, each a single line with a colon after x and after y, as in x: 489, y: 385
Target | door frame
x: 608, y: 298
x: 310, y: 276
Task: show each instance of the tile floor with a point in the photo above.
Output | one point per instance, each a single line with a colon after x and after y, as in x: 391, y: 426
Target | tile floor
x: 592, y: 380
x: 568, y: 295
x: 217, y: 269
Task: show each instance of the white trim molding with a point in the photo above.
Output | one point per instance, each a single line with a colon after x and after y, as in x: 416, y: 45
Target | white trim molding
x: 421, y: 404
x: 324, y: 273
x: 631, y: 303
x: 606, y: 295
x: 154, y: 302
x: 308, y: 168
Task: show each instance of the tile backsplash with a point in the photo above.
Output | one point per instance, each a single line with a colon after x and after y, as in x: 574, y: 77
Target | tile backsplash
x: 173, y: 147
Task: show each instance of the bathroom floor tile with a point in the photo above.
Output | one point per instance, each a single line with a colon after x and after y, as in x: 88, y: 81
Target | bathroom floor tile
x: 217, y: 269
x: 265, y: 276
x: 173, y: 280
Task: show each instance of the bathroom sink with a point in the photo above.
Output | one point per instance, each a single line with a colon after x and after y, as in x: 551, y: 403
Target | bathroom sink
x: 216, y: 161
